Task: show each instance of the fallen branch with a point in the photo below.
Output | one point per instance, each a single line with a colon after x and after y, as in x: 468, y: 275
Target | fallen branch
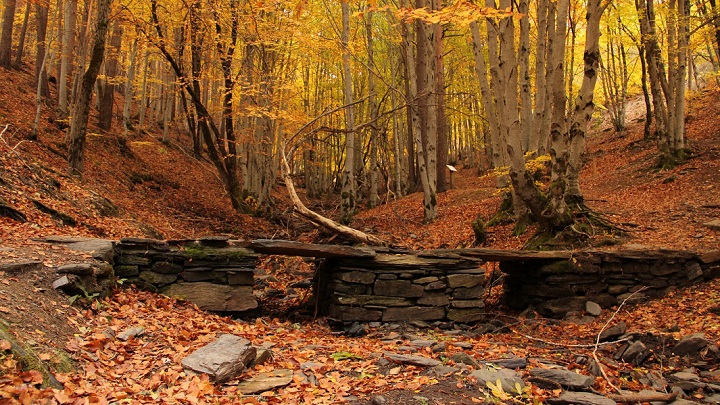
x: 597, y: 341
x: 316, y: 218
x: 642, y: 397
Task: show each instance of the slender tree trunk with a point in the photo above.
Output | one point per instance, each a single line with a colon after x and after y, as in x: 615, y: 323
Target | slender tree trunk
x: 23, y: 33
x: 442, y: 127
x: 372, y: 106
x: 78, y: 128
x: 129, y: 86
x: 66, y: 59
x: 106, y: 96
x: 348, y: 180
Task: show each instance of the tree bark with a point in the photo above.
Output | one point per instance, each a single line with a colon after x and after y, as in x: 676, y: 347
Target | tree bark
x: 106, y: 94
x: 78, y: 128
x: 6, y: 34
x: 347, y: 206
x: 23, y: 33
x: 41, y: 15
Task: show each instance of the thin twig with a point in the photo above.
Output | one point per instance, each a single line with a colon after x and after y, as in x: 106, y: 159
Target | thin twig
x: 597, y: 340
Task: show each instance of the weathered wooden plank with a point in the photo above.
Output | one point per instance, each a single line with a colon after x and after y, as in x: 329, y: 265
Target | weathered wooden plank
x: 495, y: 255
x: 291, y: 248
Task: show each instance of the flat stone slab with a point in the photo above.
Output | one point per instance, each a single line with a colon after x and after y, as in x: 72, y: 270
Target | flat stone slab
x: 580, y: 398
x: 215, y: 297
x: 566, y: 378
x: 266, y: 382
x: 412, y: 359
x: 101, y: 249
x: 509, y: 379
x: 713, y: 225
x: 21, y: 267
x: 291, y: 248
x: 223, y: 359
x: 496, y: 255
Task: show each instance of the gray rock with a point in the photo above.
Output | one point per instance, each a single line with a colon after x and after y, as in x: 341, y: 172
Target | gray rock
x: 359, y: 277
x: 636, y: 353
x: 414, y: 313
x: 593, y: 308
x: 433, y: 298
x: 101, y: 249
x: 266, y: 382
x: 21, y: 267
x: 398, y: 288
x: 465, y: 315
x: 422, y: 342
x: 566, y: 378
x: 613, y: 332
x: 511, y: 363
x: 464, y: 280
x: 690, y: 344
x: 157, y: 279
x: 509, y: 379
x: 223, y: 359
x: 580, y: 398
x: 131, y: 332
x: 262, y: 356
x: 442, y: 371
x: 166, y: 268
x: 215, y: 297
x: 79, y: 269
x: 464, y: 358
x: 557, y: 308
x: 412, y: 359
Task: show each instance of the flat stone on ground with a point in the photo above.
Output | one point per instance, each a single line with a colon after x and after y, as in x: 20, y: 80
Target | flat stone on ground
x: 580, y: 398
x: 509, y: 379
x: 414, y: 360
x: 566, y: 378
x: 223, y: 359
x: 266, y: 382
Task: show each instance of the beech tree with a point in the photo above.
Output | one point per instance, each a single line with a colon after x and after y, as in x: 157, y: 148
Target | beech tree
x: 8, y: 21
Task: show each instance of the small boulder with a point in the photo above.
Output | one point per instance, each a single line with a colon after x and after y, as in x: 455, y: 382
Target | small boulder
x: 414, y: 360
x: 131, y: 332
x: 636, y: 353
x: 509, y: 379
x: 566, y: 378
x: 593, y: 308
x: 690, y: 344
x: 613, y: 332
x: 223, y: 359
x: 266, y: 382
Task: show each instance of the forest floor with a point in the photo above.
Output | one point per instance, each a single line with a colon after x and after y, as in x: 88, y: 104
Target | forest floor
x: 142, y: 186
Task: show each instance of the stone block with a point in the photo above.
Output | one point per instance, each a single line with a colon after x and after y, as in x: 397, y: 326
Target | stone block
x: 126, y: 270
x: 157, y: 279
x: 435, y: 299
x: 617, y: 289
x: 663, y: 269
x: 398, y: 288
x: 471, y: 293
x: 166, y: 268
x: 436, y: 285
x: 357, y: 277
x: 464, y: 280
x: 386, y: 276
x: 376, y: 300
x: 347, y: 288
x: 693, y: 271
x: 240, y: 278
x: 465, y: 315
x: 467, y: 304
x: 195, y: 276
x: 347, y: 313
x: 413, y: 314
x: 134, y: 260
x: 215, y: 297
x: 425, y: 280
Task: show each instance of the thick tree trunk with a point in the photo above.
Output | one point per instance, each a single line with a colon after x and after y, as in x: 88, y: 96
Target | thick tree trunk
x: 8, y: 22
x: 67, y: 59
x: 347, y: 205
x: 41, y: 80
x: 78, y: 128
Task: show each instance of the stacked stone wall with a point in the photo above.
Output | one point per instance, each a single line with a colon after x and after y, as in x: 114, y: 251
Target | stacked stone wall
x: 208, y: 272
x: 604, y: 277
x: 405, y: 286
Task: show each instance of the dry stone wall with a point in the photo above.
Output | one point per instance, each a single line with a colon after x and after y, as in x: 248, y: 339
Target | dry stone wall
x: 557, y: 287
x: 208, y: 272
x: 402, y: 286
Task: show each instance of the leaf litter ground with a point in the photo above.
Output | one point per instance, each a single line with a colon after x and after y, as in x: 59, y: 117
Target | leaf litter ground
x: 163, y: 192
